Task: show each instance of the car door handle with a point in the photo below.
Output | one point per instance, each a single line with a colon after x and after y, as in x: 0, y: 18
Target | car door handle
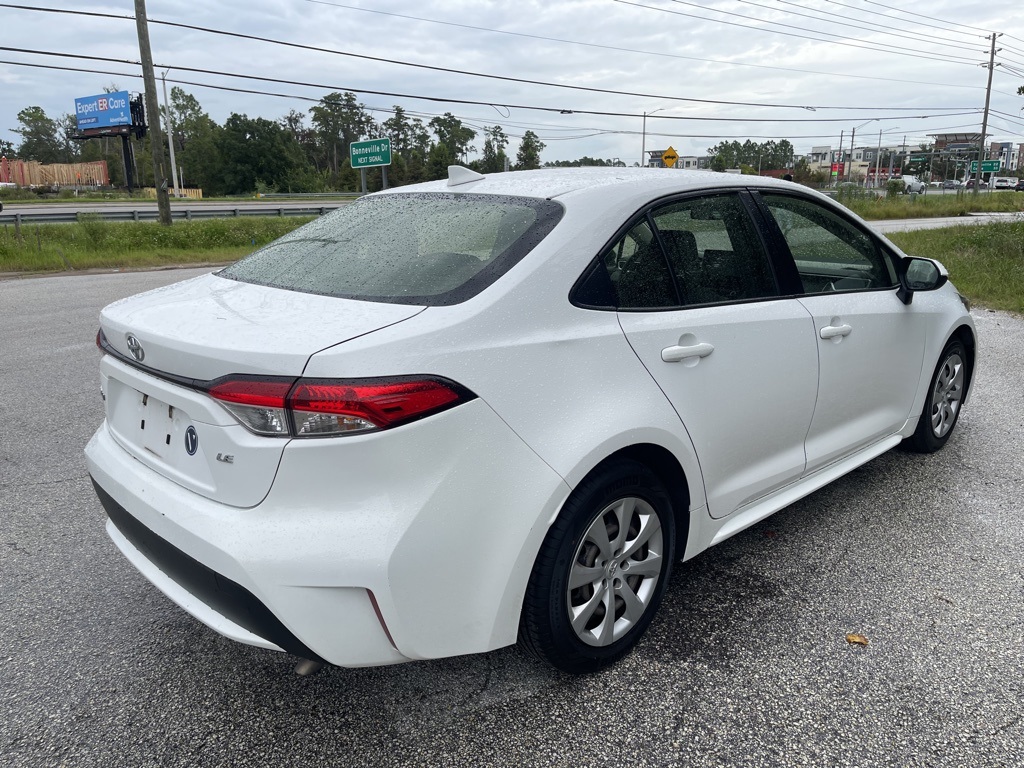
x: 832, y: 331
x: 675, y: 354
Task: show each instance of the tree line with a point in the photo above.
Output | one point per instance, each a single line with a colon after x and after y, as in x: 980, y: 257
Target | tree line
x: 309, y: 151
x: 301, y: 152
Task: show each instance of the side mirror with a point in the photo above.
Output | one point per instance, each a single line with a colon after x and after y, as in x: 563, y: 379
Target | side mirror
x: 920, y: 275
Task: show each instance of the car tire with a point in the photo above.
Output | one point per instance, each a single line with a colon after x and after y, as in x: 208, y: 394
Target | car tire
x: 601, y: 571
x: 945, y: 396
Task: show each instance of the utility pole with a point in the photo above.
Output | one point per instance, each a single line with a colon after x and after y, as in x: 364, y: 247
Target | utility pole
x: 163, y: 202
x: 170, y: 135
x: 984, y: 119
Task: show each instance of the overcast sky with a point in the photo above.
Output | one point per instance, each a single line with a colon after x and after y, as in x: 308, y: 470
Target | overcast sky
x: 826, y: 66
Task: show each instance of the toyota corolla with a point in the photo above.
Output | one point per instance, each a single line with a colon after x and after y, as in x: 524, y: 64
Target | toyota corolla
x: 455, y: 415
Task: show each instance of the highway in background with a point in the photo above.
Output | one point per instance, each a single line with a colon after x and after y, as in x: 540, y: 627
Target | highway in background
x: 146, y: 210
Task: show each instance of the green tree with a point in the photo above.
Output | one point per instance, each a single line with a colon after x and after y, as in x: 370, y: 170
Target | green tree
x: 769, y: 156
x: 256, y: 152
x: 586, y: 161
x: 305, y: 136
x: 528, y: 156
x: 453, y: 134
x: 494, y: 157
x: 195, y: 144
x: 41, y: 136
x: 339, y: 119
x: 441, y: 156
x: 6, y: 149
x: 400, y: 130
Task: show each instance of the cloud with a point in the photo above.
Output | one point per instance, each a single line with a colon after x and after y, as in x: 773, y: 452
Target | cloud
x: 617, y: 46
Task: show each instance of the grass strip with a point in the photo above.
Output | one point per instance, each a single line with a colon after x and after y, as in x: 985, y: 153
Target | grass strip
x: 985, y: 262
x: 931, y: 205
x: 95, y: 244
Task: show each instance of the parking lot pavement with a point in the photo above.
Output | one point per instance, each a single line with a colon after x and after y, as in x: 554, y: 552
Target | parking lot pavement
x: 746, y: 665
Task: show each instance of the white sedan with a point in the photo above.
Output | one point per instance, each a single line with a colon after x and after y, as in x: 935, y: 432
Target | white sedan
x: 460, y: 414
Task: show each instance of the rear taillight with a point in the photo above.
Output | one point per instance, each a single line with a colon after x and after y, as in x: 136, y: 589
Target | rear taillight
x: 259, y: 404
x: 329, y: 407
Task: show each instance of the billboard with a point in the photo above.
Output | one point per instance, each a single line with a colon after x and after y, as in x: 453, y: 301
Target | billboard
x: 104, y: 111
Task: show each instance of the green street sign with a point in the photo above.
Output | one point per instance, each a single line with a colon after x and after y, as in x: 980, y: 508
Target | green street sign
x: 370, y: 153
x: 987, y: 166
x: 918, y: 158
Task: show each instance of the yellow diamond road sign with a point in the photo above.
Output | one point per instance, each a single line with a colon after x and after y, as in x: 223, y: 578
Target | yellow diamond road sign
x: 669, y: 158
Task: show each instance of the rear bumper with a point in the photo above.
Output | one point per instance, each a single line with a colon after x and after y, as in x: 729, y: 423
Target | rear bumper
x: 409, y: 544
x: 229, y: 607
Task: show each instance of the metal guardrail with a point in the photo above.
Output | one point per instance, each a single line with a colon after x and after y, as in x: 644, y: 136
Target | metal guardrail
x: 152, y: 214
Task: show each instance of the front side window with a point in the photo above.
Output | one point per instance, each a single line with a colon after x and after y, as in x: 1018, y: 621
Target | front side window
x: 831, y: 254
x: 434, y: 249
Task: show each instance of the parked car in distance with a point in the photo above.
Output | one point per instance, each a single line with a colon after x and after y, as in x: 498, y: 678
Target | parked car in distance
x: 1019, y: 186
x: 950, y: 184
x: 463, y: 413
x: 912, y: 184
x: 1005, y: 182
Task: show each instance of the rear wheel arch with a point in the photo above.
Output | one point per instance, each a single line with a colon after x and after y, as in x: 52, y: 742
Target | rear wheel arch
x: 666, y: 466
x: 652, y: 482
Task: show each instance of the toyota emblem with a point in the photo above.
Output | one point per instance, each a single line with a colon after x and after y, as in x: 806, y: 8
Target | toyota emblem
x: 135, y: 347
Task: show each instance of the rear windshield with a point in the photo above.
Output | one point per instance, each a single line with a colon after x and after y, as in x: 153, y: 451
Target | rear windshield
x: 430, y: 249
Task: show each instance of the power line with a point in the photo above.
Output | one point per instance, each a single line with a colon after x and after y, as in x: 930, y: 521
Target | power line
x: 449, y: 70
x: 594, y: 131
x: 505, y: 78
x: 931, y: 18
x: 916, y: 19
x: 525, y: 81
x: 904, y: 52
x: 558, y: 110
x: 1008, y: 116
x: 636, y: 50
x: 943, y: 40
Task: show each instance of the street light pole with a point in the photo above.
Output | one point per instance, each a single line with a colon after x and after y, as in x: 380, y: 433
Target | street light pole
x: 878, y: 157
x: 849, y: 168
x: 643, y: 142
x: 853, y: 133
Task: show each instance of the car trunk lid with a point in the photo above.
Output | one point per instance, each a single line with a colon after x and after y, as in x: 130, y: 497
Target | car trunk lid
x: 169, y: 342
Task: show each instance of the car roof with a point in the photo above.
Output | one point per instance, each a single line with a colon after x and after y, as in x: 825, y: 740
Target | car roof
x: 563, y: 183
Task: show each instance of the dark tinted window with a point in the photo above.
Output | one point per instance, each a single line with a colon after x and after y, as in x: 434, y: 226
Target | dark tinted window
x: 432, y: 249
x: 638, y: 271
x: 714, y: 250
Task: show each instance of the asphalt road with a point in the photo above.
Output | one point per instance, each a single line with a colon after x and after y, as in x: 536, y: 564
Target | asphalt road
x: 746, y: 665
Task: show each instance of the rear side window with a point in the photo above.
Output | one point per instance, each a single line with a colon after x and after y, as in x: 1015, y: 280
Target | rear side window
x: 431, y: 249
x: 714, y: 250
x: 700, y: 250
